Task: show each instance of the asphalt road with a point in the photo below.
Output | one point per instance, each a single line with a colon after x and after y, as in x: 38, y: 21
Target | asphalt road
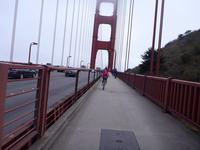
x: 60, y: 87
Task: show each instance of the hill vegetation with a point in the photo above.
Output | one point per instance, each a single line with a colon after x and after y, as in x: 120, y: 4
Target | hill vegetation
x: 180, y: 58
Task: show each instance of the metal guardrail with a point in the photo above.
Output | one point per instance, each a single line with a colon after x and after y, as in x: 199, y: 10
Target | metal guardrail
x: 181, y: 98
x: 22, y: 121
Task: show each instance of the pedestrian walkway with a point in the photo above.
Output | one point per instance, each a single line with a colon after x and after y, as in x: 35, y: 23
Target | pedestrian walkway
x: 119, y: 107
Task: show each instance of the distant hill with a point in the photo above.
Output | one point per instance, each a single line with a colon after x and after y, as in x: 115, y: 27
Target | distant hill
x: 180, y: 58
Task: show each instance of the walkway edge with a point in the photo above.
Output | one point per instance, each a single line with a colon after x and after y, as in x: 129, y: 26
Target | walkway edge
x: 55, y: 130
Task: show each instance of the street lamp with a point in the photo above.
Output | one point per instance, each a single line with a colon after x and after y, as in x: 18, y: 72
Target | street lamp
x: 29, y: 55
x: 81, y: 63
x: 88, y: 64
x: 68, y: 58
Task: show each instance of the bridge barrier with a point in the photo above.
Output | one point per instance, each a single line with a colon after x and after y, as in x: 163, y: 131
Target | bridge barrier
x: 25, y: 113
x: 181, y: 98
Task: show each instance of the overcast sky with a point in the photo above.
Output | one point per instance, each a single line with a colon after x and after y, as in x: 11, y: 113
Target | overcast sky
x: 180, y: 15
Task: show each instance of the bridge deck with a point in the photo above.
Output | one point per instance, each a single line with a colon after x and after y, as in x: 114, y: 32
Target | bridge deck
x: 121, y: 108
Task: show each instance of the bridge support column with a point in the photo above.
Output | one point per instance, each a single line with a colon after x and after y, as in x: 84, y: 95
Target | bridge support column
x: 104, y: 45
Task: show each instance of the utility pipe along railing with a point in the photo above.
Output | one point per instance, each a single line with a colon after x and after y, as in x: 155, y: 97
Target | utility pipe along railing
x: 181, y: 98
x: 34, y: 101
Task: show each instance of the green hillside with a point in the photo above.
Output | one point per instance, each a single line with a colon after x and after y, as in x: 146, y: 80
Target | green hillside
x: 180, y: 58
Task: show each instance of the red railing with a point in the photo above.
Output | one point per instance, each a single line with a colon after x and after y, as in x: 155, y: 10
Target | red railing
x: 181, y: 98
x: 25, y: 112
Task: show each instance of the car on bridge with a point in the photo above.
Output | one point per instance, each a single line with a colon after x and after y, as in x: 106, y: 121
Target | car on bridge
x: 21, y: 73
x: 70, y: 73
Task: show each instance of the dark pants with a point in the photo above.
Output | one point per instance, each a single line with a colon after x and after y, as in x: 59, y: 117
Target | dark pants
x: 105, y: 79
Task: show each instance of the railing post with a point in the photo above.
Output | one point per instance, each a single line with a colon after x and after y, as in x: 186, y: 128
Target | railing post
x: 130, y: 79
x: 126, y: 78
x: 144, y: 85
x: 94, y: 76
x: 76, y: 85
x: 88, y: 77
x: 42, y: 96
x: 134, y: 79
x: 3, y: 87
x: 166, y: 94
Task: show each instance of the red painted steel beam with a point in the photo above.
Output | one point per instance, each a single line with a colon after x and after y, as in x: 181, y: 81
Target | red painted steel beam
x: 3, y: 83
x: 97, y: 45
x: 76, y: 85
x: 42, y: 96
x: 160, y: 37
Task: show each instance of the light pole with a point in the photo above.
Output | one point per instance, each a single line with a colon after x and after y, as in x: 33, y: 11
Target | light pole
x: 81, y: 63
x: 68, y: 58
x: 88, y: 64
x: 29, y: 55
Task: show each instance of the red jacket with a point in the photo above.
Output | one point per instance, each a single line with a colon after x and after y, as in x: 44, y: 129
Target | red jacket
x: 105, y: 73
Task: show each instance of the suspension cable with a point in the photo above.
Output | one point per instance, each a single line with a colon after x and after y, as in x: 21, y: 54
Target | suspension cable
x: 90, y: 28
x: 160, y: 37
x: 14, y: 30
x: 85, y: 27
x: 83, y: 15
x: 101, y: 50
x: 72, y: 28
x: 64, y: 35
x: 78, y: 16
x: 86, y: 33
x: 122, y: 34
x: 117, y: 36
x: 130, y: 33
x: 54, y: 34
x: 40, y: 30
x: 119, y: 32
x: 154, y: 37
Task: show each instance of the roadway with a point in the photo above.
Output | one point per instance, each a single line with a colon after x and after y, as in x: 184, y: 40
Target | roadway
x: 60, y: 87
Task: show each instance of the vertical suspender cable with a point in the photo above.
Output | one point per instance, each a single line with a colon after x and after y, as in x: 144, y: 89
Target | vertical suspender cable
x: 154, y: 37
x: 64, y: 35
x: 101, y: 50
x: 160, y: 37
x: 83, y: 33
x: 128, y: 35
x: 81, y: 30
x: 72, y: 28
x: 86, y: 32
x: 102, y: 65
x: 85, y: 29
x: 117, y: 34
x: 131, y: 27
x: 40, y: 30
x: 54, y: 34
x: 120, y: 17
x: 77, y: 25
x: 91, y: 27
x: 122, y: 34
x: 14, y: 30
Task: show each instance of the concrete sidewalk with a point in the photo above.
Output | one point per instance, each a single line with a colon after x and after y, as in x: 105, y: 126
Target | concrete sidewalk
x: 120, y: 107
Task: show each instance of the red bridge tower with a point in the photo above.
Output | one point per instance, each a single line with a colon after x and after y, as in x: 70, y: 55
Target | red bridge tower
x: 104, y: 45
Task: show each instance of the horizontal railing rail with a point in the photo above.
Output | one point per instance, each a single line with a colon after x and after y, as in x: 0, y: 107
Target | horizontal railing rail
x: 181, y: 98
x: 31, y: 99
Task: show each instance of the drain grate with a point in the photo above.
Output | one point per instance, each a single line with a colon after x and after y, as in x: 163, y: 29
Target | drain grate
x: 118, y: 140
